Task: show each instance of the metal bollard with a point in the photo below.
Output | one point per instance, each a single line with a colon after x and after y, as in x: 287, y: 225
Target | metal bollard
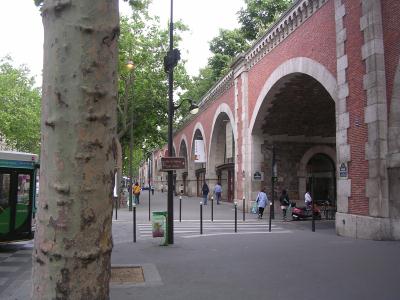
x: 180, y: 208
x: 313, y: 218
x: 134, y: 222
x: 212, y: 209
x: 270, y: 216
x: 116, y: 208
x: 244, y: 209
x: 149, y: 200
x: 235, y: 216
x: 201, y: 217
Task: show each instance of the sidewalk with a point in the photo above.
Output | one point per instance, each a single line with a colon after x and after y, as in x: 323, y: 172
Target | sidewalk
x: 300, y: 264
x: 291, y: 262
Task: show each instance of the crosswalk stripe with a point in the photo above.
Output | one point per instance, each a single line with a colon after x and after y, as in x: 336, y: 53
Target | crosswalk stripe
x: 222, y: 227
x: 234, y: 233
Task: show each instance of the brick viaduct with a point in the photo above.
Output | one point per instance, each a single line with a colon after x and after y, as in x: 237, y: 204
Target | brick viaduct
x: 322, y: 88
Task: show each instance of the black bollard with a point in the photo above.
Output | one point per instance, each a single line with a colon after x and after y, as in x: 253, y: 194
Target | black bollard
x: 134, y: 222
x: 212, y: 209
x: 149, y: 201
x: 313, y: 217
x: 201, y: 217
x: 270, y: 216
x: 116, y: 208
x: 180, y: 208
x: 235, y: 216
x: 244, y: 209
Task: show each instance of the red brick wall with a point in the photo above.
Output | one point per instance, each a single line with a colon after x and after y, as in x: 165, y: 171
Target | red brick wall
x: 357, y: 135
x: 391, y: 35
x: 314, y: 39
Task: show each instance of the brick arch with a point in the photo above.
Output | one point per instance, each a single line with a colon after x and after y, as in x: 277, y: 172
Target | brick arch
x: 296, y: 65
x: 394, y: 123
x: 302, y: 171
x: 223, y: 108
x: 199, y: 127
x: 183, y: 140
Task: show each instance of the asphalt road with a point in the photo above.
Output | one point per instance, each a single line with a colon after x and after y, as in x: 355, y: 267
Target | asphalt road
x: 291, y: 262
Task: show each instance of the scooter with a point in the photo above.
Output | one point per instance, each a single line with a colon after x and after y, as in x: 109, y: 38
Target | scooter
x: 302, y: 213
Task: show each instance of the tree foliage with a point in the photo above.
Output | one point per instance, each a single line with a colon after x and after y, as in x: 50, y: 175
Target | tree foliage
x: 19, y: 107
x: 143, y: 90
x: 225, y: 47
x: 258, y: 15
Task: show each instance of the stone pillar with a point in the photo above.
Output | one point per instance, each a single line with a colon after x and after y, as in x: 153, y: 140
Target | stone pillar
x: 342, y: 114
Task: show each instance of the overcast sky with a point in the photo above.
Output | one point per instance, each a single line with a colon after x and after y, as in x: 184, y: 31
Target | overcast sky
x: 22, y: 31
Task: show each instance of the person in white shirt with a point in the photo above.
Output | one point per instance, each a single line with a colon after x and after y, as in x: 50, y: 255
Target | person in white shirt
x: 262, y: 200
x: 218, y: 192
x: 308, y: 199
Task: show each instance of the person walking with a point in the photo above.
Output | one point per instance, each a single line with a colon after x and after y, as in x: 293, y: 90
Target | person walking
x: 136, y: 192
x: 218, y: 192
x: 205, y: 190
x: 285, y: 202
x: 262, y: 200
x: 308, y: 200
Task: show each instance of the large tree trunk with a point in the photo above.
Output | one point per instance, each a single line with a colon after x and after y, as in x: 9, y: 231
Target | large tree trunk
x: 73, y: 242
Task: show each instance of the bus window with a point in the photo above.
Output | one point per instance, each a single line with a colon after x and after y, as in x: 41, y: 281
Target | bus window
x: 5, y: 212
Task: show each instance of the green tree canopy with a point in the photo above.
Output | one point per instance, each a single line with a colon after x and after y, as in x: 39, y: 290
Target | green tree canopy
x: 19, y: 107
x: 143, y: 90
x: 258, y: 15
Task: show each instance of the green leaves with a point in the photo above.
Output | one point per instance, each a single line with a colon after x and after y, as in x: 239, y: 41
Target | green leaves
x: 259, y: 15
x: 143, y: 91
x: 19, y: 107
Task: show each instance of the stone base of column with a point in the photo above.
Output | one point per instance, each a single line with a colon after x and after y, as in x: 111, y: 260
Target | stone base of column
x: 368, y: 228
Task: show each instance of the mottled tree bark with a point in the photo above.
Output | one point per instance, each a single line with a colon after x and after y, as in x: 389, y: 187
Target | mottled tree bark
x: 73, y: 244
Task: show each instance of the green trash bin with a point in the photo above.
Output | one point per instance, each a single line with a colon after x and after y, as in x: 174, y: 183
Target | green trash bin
x: 159, y: 226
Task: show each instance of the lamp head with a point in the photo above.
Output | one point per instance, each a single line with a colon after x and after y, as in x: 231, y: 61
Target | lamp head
x: 194, y: 108
x: 130, y: 65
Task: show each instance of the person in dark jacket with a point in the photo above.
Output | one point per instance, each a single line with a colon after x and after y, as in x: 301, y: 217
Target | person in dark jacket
x: 205, y: 190
x: 284, y: 200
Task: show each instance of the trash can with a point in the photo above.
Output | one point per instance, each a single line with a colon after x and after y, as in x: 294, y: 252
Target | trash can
x: 159, y: 226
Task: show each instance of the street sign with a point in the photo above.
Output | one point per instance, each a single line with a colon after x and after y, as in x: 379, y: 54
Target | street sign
x: 172, y: 163
x: 258, y: 176
x: 343, y: 170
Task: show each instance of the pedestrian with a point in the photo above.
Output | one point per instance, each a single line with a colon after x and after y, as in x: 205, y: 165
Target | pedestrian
x: 261, y: 200
x: 162, y: 188
x: 136, y: 192
x: 218, y: 192
x: 181, y: 188
x: 205, y: 190
x: 285, y: 202
x: 308, y: 200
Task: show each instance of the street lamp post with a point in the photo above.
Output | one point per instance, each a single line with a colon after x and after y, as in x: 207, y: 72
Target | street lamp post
x: 149, y: 181
x: 170, y: 62
x: 130, y: 67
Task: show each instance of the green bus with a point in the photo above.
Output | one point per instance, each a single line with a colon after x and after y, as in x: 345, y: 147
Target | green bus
x: 18, y: 172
